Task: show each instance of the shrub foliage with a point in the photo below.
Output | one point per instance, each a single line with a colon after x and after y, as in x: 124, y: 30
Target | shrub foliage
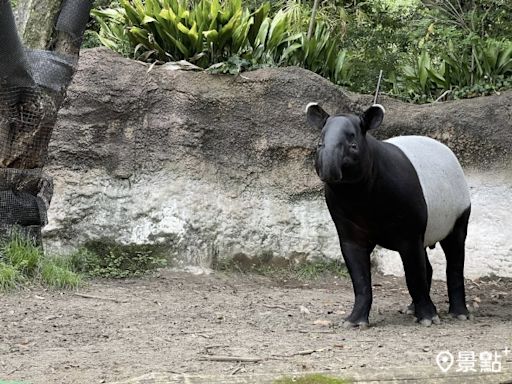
x: 218, y: 35
x: 428, y: 49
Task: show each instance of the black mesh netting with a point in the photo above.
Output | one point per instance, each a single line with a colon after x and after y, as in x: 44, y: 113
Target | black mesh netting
x: 25, y: 196
x: 27, y: 117
x: 14, y: 69
x: 73, y: 18
x: 51, y: 70
x: 32, y: 87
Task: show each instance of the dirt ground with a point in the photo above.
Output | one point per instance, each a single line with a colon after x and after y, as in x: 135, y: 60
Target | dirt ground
x: 174, y: 322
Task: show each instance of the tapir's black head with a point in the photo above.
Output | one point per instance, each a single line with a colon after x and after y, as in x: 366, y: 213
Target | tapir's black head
x: 342, y: 155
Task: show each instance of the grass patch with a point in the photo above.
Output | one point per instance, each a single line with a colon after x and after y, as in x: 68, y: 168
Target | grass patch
x: 311, y: 379
x: 22, y: 254
x: 112, y: 260
x: 285, y: 269
x: 57, y: 275
x: 9, y: 277
x: 22, y: 261
x: 314, y: 270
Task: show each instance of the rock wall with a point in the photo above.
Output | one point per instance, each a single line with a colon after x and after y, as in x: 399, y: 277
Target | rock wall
x: 214, y: 166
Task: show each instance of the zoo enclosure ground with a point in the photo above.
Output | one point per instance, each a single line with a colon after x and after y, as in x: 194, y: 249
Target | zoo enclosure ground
x: 179, y: 323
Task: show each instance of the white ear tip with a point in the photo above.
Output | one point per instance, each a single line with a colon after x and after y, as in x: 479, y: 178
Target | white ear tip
x: 309, y: 106
x: 379, y: 106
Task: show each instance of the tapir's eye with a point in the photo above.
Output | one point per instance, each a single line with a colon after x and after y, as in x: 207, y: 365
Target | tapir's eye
x: 351, y: 136
x: 353, y: 145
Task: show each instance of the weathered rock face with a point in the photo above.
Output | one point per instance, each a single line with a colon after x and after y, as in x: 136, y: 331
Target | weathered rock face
x: 214, y: 166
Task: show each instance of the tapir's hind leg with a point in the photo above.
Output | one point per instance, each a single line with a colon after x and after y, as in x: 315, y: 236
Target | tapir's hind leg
x: 453, y: 247
x: 417, y: 275
x: 410, y: 308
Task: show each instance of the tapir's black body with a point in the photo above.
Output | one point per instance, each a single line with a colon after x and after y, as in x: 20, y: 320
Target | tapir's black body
x: 384, y: 209
x: 375, y: 197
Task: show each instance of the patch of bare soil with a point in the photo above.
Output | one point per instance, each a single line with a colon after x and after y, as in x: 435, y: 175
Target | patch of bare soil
x: 182, y: 323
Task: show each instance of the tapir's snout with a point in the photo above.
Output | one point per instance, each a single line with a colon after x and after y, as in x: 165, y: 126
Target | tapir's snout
x: 328, y: 165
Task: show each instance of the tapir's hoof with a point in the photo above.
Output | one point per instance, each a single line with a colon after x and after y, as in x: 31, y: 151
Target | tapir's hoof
x: 347, y: 324
x: 409, y: 310
x: 463, y: 317
x: 428, y: 322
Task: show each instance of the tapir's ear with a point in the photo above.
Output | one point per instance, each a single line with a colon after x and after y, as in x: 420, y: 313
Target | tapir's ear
x: 372, y: 117
x: 316, y: 115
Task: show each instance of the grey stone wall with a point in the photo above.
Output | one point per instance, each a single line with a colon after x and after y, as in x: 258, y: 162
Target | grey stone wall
x: 215, y: 166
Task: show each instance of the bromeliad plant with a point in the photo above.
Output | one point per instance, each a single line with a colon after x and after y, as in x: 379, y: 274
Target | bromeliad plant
x: 465, y: 52
x: 320, y: 53
x: 480, y: 70
x: 224, y: 36
x: 206, y: 33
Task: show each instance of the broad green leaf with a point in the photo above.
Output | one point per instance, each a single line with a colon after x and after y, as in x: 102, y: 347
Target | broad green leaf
x: 330, y: 56
x: 139, y: 6
x: 147, y: 20
x: 477, y: 62
x: 504, y: 59
x: 261, y: 38
x: 289, y: 51
x: 193, y: 34
x: 226, y: 31
x: 259, y: 16
x: 114, y: 14
x: 297, y: 36
x: 107, y: 42
x: 131, y: 12
x: 423, y: 66
x: 340, y: 64
x: 240, y: 34
x: 168, y: 14
x: 436, y: 77
x: 214, y: 9
x: 409, y: 72
x: 211, y: 36
x: 136, y: 31
x: 181, y: 47
x: 183, y: 29
x: 153, y: 7
x: 277, y: 31
x: 140, y: 35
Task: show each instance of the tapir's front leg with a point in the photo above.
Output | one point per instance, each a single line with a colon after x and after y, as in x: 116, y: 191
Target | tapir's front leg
x: 357, y: 259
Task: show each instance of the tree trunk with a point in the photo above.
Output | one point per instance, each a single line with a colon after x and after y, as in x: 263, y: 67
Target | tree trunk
x: 33, y: 83
x: 313, y: 18
x: 35, y: 21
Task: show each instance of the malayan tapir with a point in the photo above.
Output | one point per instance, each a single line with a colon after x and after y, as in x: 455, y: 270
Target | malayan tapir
x: 404, y: 194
